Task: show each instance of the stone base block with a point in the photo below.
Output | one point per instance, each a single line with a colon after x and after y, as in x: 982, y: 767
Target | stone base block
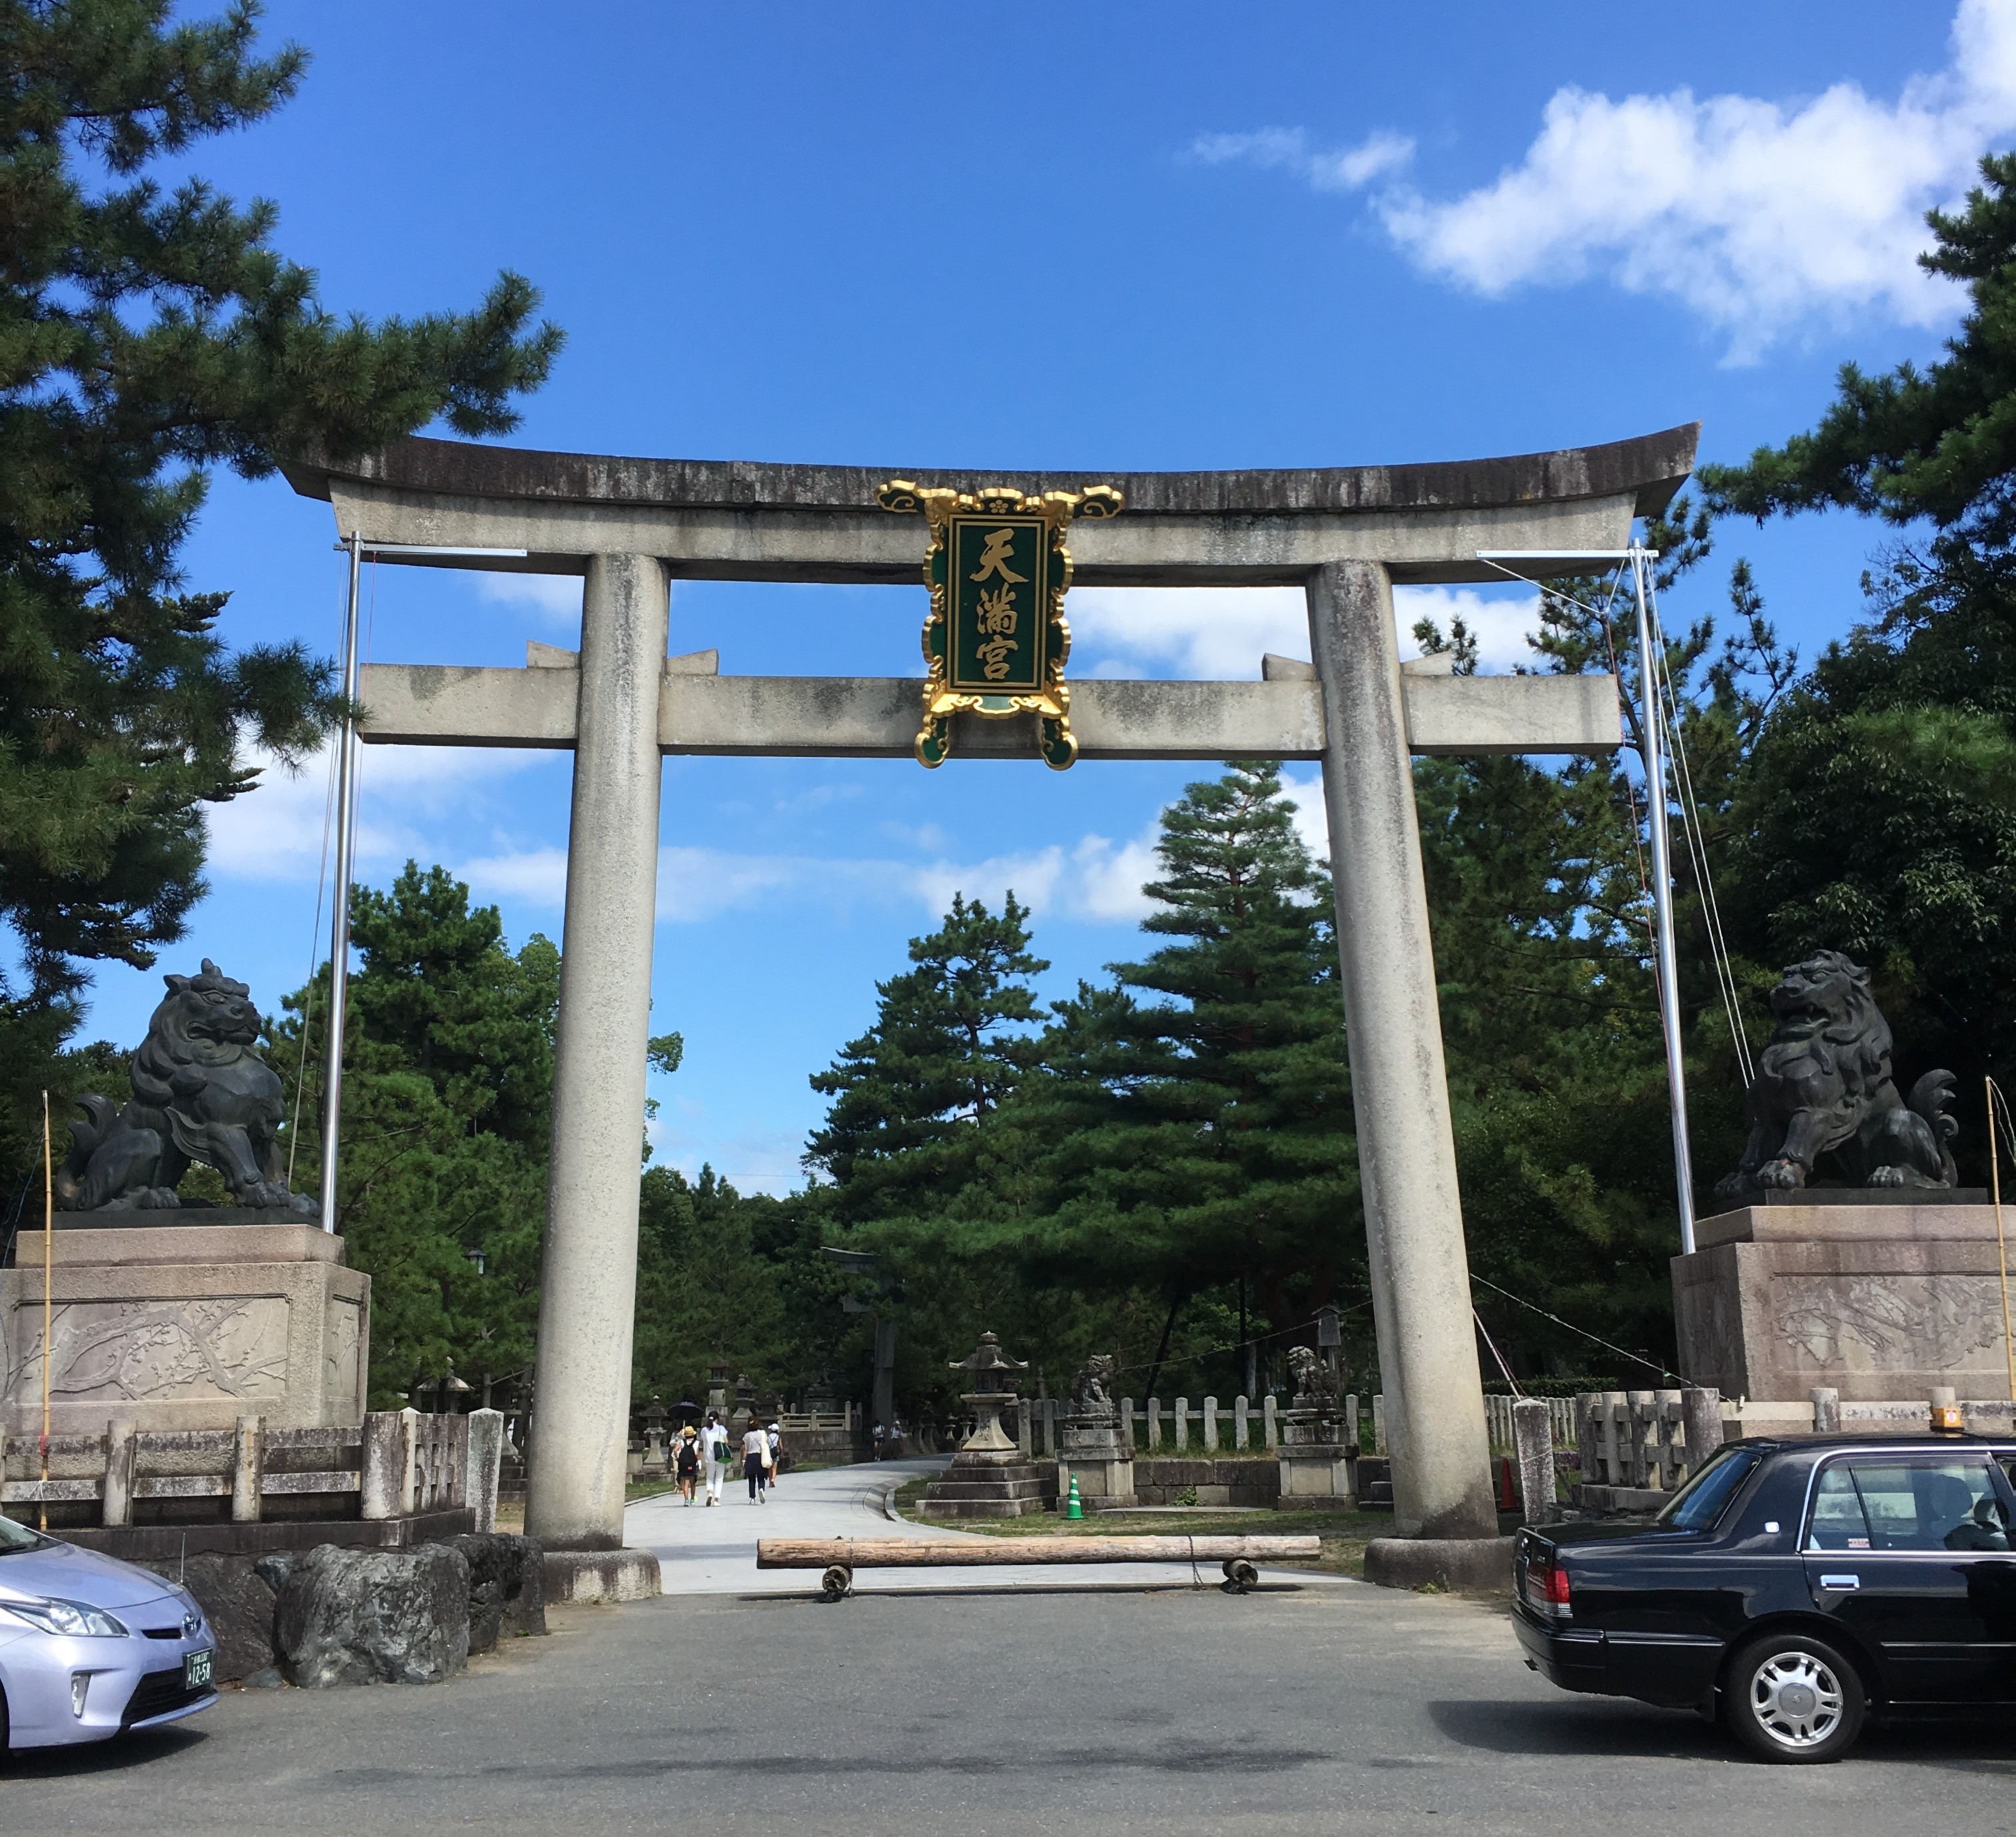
x: 1316, y: 1473
x: 989, y: 1487
x: 602, y: 1575
x: 1875, y: 1301
x: 1105, y: 1482
x: 183, y: 1327
x: 1465, y: 1564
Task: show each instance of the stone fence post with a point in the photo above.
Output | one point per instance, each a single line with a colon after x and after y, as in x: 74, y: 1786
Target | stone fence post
x: 1182, y: 1424
x: 1242, y: 1422
x: 1702, y: 1407
x: 248, y: 1461
x: 1826, y: 1409
x: 1533, y: 1437
x: 1154, y: 1423
x: 484, y: 1459
x: 1127, y: 1426
x: 1378, y: 1424
x: 1211, y: 1428
x: 1270, y: 1422
x: 121, y: 1436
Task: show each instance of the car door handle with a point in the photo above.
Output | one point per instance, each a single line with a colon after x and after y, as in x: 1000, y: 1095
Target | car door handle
x: 1840, y: 1581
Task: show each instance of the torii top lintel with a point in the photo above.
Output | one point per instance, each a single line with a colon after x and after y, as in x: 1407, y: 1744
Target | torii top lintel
x: 732, y: 519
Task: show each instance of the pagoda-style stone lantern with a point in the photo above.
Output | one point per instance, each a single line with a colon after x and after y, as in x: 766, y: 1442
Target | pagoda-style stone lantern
x: 990, y: 1476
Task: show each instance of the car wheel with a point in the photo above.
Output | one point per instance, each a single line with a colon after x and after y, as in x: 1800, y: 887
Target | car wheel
x: 1791, y: 1697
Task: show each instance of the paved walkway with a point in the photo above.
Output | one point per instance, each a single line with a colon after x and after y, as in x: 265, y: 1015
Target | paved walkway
x: 704, y: 1550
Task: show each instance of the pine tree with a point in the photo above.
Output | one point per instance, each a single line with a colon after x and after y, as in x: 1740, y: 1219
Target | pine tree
x: 145, y: 336
x: 1203, y: 1135
x: 951, y: 1039
x: 1877, y: 816
x: 447, y: 1104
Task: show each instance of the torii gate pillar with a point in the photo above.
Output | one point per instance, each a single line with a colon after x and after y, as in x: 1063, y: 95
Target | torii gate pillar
x: 1406, y: 1147
x: 576, y: 1474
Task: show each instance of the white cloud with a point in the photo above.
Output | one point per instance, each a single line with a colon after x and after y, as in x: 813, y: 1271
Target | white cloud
x: 556, y: 596
x: 1306, y: 794
x: 1218, y: 633
x: 1760, y: 216
x: 277, y: 831
x: 1347, y: 170
x: 1212, y: 632
x: 1097, y: 881
x: 1499, y: 625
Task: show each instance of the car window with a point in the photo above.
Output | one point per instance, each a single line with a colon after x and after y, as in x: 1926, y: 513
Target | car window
x: 17, y: 1537
x: 1871, y: 1503
x: 1838, y: 1520
x: 1699, y: 1503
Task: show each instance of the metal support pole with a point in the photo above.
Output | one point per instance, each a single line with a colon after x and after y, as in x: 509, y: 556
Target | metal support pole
x: 339, y: 950
x: 1649, y: 674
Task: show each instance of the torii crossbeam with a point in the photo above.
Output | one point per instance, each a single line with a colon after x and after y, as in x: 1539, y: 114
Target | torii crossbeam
x: 1345, y: 535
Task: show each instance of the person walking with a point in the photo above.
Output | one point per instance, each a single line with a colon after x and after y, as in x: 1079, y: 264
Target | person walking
x: 714, y: 1442
x: 756, y: 1461
x: 776, y: 1439
x: 687, y: 1462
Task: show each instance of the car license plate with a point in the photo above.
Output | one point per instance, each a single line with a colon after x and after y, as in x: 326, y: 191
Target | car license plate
x: 197, y: 1668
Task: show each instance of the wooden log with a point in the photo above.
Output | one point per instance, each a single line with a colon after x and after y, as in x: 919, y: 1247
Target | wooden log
x: 855, y: 1553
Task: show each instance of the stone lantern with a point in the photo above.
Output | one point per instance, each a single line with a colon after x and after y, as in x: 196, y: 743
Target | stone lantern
x: 989, y: 1477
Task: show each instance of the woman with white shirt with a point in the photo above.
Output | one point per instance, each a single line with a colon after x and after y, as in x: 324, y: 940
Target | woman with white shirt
x: 756, y: 1460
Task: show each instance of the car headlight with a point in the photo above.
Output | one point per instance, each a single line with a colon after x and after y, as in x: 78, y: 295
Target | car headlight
x: 74, y: 1620
x: 192, y: 1623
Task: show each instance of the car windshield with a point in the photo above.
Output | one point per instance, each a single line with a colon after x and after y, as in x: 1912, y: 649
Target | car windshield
x: 17, y: 1537
x: 1698, y: 1504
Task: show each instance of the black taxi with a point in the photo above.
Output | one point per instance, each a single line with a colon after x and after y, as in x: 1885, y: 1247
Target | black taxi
x: 1793, y: 1587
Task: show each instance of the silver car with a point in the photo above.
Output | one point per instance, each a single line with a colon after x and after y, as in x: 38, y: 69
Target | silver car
x: 90, y: 1646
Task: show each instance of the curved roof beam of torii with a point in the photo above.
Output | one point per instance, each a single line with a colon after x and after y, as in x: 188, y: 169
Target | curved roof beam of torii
x: 537, y: 512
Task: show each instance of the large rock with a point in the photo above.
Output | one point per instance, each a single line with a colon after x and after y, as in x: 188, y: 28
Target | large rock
x: 374, y: 1616
x: 238, y: 1602
x: 507, y: 1594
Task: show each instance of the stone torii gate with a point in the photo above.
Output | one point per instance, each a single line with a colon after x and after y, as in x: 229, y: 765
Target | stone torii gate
x: 1345, y: 535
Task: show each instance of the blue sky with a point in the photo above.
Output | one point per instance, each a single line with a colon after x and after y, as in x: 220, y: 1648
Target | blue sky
x: 1263, y: 235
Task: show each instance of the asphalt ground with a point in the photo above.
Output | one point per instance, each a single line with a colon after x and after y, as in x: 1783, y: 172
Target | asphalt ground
x: 1339, y: 1707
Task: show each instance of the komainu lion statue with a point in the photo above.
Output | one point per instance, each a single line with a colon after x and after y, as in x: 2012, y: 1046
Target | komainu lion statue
x: 200, y: 1093
x: 1092, y: 1390
x: 1824, y: 1088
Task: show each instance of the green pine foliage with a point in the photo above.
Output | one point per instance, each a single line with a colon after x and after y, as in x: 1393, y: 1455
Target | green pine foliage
x: 950, y: 1042
x: 1877, y: 815
x: 148, y: 334
x: 704, y: 1288
x: 1200, y: 1107
x: 447, y: 1115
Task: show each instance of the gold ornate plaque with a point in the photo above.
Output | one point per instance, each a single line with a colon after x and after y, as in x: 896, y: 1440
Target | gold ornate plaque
x: 996, y: 641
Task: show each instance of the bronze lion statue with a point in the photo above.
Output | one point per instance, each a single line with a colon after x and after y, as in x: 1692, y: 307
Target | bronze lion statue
x: 200, y: 1093
x: 1824, y: 1088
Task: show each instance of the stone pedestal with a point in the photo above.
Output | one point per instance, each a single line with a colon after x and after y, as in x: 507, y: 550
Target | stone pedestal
x: 1317, y: 1466
x: 1102, y: 1465
x: 186, y: 1327
x: 1876, y: 1301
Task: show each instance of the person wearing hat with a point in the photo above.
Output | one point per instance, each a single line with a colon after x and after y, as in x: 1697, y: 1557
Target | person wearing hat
x: 686, y: 1462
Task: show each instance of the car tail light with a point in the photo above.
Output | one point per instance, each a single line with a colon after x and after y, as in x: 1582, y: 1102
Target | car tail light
x: 1547, y: 1586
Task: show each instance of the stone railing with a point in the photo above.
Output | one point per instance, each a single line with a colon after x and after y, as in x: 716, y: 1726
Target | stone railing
x: 1497, y: 1420
x: 1645, y: 1440
x: 394, y: 1464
